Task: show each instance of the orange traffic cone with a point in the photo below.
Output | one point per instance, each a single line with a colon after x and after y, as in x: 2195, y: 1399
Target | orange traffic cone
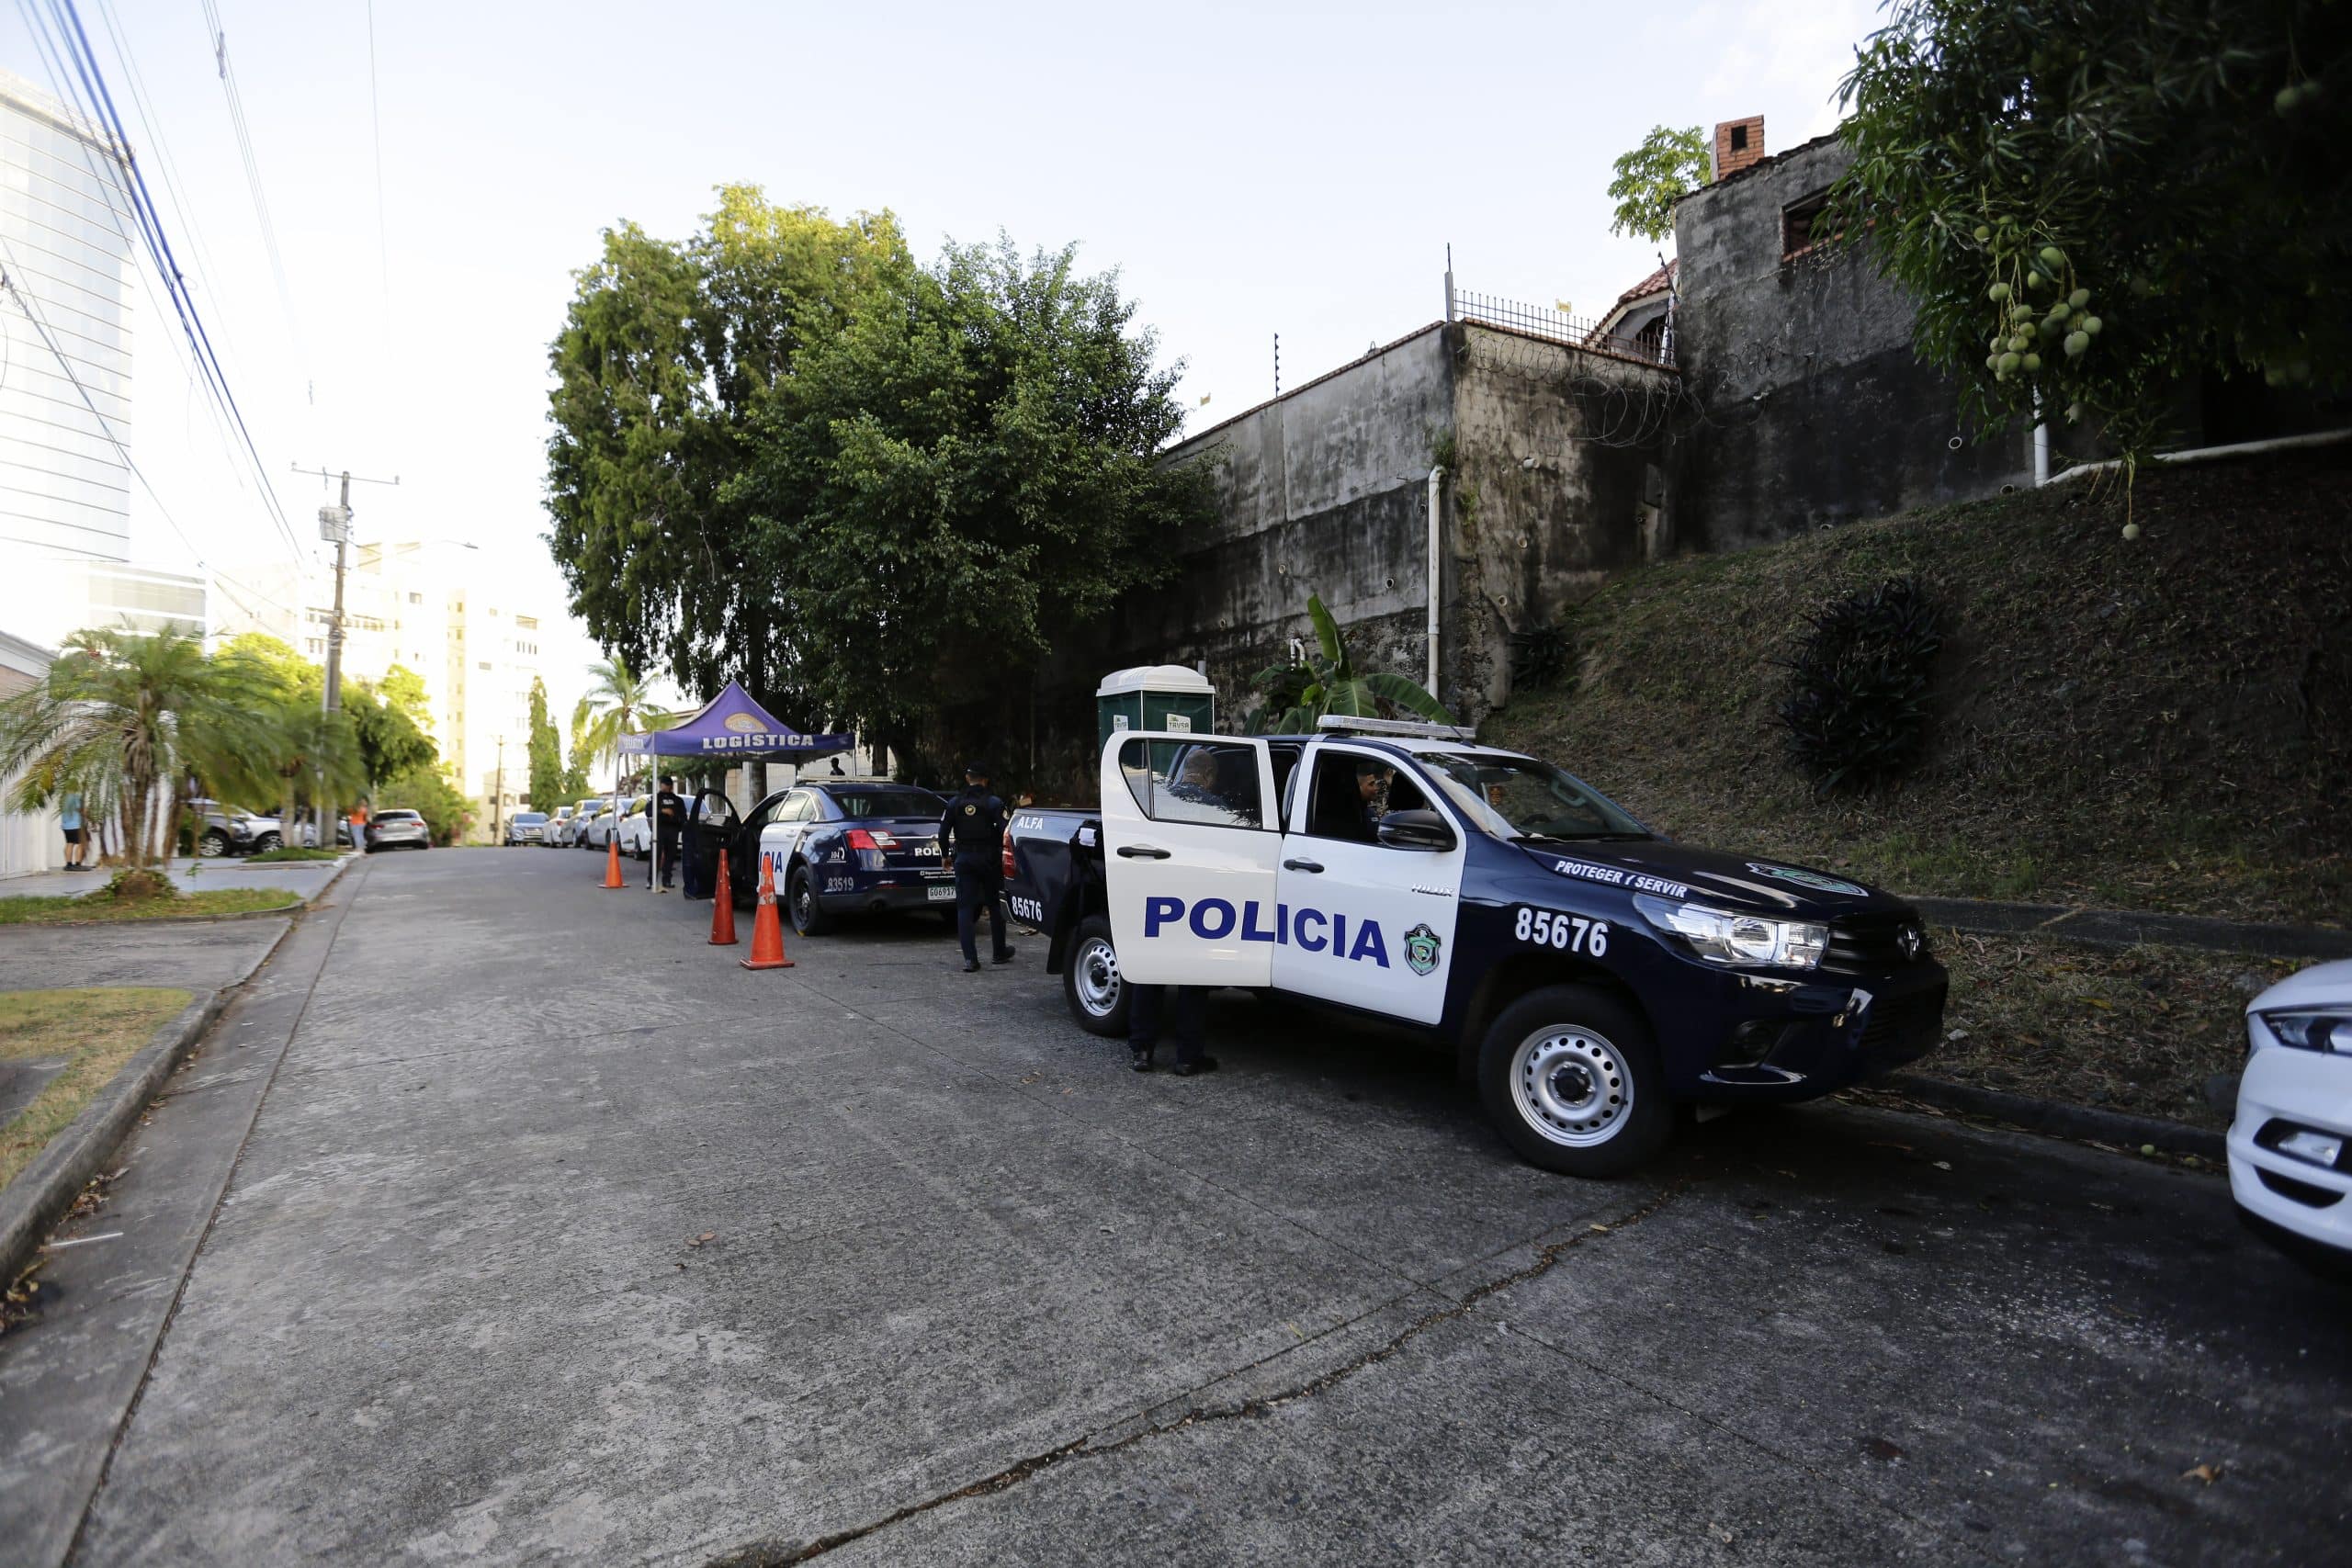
x: 613, y: 861
x: 767, y: 927
x: 722, y: 910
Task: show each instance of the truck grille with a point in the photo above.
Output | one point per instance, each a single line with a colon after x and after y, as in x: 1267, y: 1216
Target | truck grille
x: 1902, y: 1024
x: 1862, y: 944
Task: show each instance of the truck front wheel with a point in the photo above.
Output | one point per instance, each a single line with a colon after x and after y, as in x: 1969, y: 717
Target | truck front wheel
x: 1098, y: 998
x: 1570, y: 1078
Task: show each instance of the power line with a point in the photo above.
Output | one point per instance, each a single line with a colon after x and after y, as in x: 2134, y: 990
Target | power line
x: 105, y: 427
x: 375, y: 124
x: 86, y: 65
x: 245, y: 150
x: 110, y: 180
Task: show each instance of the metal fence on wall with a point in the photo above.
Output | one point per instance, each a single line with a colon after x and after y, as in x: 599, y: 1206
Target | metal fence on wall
x: 1653, y: 344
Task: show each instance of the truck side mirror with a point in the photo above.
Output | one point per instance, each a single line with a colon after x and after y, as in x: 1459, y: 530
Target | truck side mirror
x: 1415, y: 830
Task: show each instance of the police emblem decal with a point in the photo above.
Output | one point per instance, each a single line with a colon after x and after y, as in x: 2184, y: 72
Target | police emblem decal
x: 1811, y: 879
x: 1421, y: 946
x: 971, y: 811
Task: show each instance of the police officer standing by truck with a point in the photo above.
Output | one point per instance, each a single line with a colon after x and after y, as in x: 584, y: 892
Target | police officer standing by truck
x: 972, y: 835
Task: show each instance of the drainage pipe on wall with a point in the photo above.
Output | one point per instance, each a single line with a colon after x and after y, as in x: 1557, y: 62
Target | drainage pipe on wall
x: 1435, y: 475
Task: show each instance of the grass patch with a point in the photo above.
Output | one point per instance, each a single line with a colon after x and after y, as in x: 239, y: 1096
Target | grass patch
x: 39, y: 911
x: 2165, y: 724
x: 93, y: 1031
x: 273, y: 857
x: 2139, y: 1030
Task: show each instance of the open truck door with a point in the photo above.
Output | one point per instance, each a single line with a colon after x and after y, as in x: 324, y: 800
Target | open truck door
x: 1191, y: 838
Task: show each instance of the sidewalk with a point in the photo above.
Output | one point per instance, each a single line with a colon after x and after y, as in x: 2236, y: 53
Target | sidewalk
x: 2124, y: 928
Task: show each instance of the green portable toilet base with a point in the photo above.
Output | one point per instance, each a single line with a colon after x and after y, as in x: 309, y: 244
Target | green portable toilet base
x: 1154, y: 696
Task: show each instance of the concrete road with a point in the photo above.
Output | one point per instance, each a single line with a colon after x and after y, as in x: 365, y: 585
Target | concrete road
x: 967, y: 1290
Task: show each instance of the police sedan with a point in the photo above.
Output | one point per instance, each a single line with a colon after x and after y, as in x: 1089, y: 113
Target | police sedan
x: 841, y: 848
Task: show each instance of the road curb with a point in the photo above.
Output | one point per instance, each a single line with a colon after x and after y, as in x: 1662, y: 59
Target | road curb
x: 32, y: 1203
x: 2057, y: 1117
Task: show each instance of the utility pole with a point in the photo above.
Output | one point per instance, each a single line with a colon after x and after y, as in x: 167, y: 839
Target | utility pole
x: 334, y: 525
x: 498, y: 802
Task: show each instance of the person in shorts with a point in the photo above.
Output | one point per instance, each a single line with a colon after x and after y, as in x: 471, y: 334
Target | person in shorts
x: 69, y: 817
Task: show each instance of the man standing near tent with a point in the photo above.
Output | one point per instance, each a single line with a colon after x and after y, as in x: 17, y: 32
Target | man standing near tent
x: 669, y: 818
x: 972, y: 835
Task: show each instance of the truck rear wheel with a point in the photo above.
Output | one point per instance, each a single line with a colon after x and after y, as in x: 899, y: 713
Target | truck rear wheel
x: 1098, y: 998
x: 1570, y: 1078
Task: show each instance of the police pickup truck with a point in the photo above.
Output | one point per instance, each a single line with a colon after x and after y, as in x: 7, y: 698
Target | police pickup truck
x: 1590, y: 975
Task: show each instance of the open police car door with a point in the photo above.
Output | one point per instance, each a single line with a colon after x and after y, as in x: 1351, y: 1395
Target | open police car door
x: 1191, y: 837
x: 1372, y: 913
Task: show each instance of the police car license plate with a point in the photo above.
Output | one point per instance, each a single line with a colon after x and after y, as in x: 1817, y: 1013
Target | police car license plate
x: 942, y: 894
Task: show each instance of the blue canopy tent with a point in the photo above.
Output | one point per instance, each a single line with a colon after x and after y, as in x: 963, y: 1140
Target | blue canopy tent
x: 729, y: 728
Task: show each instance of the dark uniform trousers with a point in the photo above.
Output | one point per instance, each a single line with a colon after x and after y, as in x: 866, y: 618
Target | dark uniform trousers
x: 979, y: 884
x: 1154, y: 1006
x: 972, y: 830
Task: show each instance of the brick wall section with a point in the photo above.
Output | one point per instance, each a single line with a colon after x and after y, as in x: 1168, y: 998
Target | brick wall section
x: 1730, y: 160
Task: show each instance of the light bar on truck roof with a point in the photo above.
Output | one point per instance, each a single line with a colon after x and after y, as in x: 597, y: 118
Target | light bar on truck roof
x: 1421, y: 728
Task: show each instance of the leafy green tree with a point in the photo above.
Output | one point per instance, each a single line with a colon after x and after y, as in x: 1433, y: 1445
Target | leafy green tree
x: 546, y: 753
x: 1297, y: 696
x: 667, y: 354
x: 315, y: 756
x: 1666, y: 167
x: 427, y: 792
x: 127, y: 718
x: 2096, y: 201
x: 286, y: 670
x: 949, y: 483
x: 387, y: 720
x: 575, y: 769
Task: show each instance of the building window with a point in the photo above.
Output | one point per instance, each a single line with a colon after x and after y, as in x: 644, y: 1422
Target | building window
x: 527, y: 623
x: 1797, y: 221
x: 485, y: 664
x: 416, y: 598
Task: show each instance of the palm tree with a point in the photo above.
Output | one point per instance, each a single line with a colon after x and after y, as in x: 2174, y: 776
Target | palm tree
x: 1298, y: 696
x: 315, y: 753
x: 619, y: 703
x: 128, y: 719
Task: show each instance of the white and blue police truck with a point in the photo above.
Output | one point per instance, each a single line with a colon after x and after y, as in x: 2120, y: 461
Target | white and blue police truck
x: 1589, y: 976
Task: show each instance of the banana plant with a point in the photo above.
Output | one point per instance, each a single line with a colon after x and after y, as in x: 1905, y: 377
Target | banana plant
x: 1299, y: 696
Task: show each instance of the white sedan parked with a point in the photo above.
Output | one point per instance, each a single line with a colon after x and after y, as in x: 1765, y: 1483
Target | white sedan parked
x: 2289, y: 1167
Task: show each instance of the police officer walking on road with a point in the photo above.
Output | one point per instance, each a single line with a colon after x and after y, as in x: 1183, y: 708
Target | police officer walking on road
x: 972, y: 835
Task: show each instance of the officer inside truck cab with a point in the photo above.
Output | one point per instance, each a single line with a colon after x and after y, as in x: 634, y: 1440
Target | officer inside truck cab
x: 1372, y: 789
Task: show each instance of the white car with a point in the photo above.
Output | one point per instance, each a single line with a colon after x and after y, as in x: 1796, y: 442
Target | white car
x: 2289, y: 1166
x: 637, y: 831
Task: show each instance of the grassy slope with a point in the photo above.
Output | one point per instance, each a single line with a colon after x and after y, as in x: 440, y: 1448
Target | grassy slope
x: 35, y: 910
x: 2162, y: 724
x: 93, y: 1031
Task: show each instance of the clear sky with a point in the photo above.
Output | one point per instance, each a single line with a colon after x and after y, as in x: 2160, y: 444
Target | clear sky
x: 1249, y: 169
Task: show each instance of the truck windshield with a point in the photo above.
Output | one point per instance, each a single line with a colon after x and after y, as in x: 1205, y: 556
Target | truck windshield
x: 1518, y: 797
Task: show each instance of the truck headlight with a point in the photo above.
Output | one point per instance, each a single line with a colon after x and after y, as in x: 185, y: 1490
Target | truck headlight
x: 2329, y: 1030
x: 1720, y: 936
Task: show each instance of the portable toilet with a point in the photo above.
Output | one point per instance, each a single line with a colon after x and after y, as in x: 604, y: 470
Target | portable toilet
x: 1154, y: 696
